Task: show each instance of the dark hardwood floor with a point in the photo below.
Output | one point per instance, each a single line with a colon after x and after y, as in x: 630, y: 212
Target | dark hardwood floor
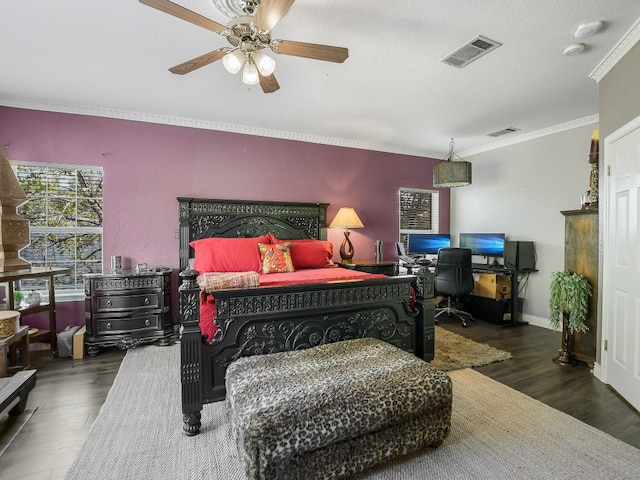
x: 570, y: 389
x: 69, y: 393
x: 66, y: 399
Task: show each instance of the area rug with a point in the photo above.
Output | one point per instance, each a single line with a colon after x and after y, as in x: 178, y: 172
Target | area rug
x: 454, y: 352
x: 497, y: 433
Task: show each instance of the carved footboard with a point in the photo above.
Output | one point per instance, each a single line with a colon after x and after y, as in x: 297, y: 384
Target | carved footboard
x: 273, y: 319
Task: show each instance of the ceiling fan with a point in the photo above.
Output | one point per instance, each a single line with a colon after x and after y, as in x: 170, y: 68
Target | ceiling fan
x: 249, y: 34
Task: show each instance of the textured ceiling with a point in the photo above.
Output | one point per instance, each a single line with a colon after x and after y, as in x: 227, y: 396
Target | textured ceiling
x: 112, y: 57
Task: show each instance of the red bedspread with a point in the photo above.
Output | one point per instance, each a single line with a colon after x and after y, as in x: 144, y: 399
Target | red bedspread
x: 313, y: 275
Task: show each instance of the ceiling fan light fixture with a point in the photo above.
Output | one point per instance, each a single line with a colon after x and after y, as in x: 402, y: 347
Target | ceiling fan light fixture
x: 265, y: 63
x: 233, y: 61
x: 249, y: 31
x: 250, y: 74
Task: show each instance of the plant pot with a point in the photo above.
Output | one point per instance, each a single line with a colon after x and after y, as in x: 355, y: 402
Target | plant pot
x: 564, y: 357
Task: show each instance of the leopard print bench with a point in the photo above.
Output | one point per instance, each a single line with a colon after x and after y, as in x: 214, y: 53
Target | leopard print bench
x: 334, y: 410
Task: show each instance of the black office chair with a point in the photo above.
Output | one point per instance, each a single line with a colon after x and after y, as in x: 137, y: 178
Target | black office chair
x: 454, y: 280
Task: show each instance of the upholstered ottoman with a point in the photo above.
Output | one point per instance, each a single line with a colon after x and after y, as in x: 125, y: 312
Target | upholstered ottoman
x: 334, y: 410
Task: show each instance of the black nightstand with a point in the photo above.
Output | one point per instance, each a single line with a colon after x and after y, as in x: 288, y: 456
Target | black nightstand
x: 127, y: 309
x: 371, y: 266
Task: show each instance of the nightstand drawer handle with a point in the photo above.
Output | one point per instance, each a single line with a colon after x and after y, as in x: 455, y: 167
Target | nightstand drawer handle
x: 147, y: 322
x: 108, y: 326
x: 109, y: 304
x: 146, y: 301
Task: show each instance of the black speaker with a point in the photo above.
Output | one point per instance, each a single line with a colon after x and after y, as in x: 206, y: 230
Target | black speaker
x: 519, y: 255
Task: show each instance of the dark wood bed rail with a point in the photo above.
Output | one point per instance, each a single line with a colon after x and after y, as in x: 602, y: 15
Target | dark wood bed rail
x: 281, y: 318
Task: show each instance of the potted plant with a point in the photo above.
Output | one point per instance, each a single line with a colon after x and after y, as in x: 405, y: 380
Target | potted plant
x: 569, y: 300
x: 17, y: 298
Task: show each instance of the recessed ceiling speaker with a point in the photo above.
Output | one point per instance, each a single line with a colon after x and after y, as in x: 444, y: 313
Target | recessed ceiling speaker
x: 575, y: 49
x: 587, y: 29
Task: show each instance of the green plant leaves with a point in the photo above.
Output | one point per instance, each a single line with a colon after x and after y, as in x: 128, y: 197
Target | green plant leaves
x: 569, y: 297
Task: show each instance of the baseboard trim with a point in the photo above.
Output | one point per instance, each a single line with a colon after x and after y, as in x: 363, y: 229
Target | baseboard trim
x: 536, y: 321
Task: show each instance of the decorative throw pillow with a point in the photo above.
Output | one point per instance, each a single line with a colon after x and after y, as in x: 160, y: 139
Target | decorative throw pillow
x: 276, y: 258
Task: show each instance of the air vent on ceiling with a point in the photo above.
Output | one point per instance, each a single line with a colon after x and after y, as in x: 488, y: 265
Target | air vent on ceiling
x: 505, y: 131
x: 470, y: 51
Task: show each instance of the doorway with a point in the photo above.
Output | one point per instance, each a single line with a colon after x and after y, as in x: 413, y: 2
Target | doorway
x: 621, y: 265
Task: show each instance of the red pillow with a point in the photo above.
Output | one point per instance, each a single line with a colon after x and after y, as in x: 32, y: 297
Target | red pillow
x: 228, y: 254
x: 312, y: 253
x: 309, y: 253
x: 272, y: 239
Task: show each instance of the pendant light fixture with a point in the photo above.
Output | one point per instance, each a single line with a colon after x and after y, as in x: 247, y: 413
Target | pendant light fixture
x: 451, y: 172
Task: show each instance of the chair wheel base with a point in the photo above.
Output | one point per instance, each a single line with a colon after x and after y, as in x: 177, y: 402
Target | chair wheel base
x: 451, y: 311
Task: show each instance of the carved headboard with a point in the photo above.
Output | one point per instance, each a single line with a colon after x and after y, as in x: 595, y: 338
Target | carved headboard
x: 206, y: 218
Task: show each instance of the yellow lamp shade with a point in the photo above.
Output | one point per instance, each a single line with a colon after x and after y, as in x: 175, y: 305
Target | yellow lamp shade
x: 346, y: 218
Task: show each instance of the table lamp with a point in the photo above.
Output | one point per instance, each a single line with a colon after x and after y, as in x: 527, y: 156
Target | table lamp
x: 346, y: 218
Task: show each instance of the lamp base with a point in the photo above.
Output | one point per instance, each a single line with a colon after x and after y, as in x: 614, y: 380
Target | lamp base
x: 346, y: 249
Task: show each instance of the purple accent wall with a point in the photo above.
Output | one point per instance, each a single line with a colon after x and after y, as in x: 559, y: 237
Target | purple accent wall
x: 146, y: 166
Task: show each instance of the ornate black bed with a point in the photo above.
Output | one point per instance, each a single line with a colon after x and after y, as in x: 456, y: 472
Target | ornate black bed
x: 254, y: 321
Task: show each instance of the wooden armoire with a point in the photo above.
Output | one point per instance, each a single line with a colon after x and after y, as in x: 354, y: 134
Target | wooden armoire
x: 581, y: 256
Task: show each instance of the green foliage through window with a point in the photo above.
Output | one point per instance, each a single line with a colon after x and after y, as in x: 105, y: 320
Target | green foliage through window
x: 65, y: 220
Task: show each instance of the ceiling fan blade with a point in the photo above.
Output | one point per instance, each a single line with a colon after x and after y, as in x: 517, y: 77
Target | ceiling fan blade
x: 201, y: 61
x: 270, y: 12
x: 268, y: 83
x: 310, y: 50
x: 185, y: 14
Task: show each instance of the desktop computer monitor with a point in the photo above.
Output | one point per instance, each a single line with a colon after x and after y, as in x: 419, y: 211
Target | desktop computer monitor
x: 485, y: 244
x: 427, y: 243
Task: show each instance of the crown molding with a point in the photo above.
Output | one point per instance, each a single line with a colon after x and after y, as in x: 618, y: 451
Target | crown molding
x: 619, y: 50
x: 247, y: 130
x: 580, y: 122
x: 208, y: 125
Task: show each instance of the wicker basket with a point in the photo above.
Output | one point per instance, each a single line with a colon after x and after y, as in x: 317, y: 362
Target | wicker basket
x: 8, y: 323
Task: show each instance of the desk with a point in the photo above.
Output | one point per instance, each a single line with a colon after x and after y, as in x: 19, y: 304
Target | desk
x: 514, y: 307
x: 48, y: 336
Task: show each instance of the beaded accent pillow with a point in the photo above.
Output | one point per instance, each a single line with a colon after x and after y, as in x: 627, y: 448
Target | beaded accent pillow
x: 276, y: 258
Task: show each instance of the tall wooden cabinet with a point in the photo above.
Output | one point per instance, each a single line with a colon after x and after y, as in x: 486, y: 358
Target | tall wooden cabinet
x: 581, y: 256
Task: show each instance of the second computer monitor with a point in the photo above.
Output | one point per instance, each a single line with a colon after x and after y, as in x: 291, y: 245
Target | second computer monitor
x: 485, y: 244
x: 427, y: 243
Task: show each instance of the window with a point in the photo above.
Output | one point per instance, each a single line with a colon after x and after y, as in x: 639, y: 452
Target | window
x: 418, y: 212
x: 65, y: 220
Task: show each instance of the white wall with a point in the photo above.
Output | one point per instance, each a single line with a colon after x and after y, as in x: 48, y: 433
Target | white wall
x: 521, y: 190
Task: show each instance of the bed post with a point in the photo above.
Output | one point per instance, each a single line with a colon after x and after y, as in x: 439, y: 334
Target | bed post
x: 190, y: 352
x: 425, y: 322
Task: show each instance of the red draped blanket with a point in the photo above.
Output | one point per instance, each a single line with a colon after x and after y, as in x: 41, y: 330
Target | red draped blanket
x: 210, y: 282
